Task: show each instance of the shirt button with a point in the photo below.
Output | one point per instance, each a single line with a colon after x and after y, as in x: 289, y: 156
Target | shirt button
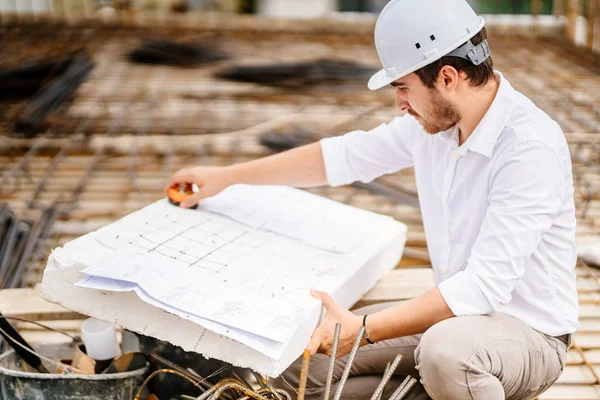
x: 456, y: 156
x: 446, y: 238
x: 444, y: 272
x: 444, y: 195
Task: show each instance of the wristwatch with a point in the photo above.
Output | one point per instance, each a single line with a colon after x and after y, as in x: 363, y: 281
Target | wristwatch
x: 367, y: 336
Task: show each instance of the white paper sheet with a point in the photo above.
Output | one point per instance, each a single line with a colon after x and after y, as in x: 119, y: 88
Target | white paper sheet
x: 314, y: 220
x: 186, y: 289
x: 270, y: 348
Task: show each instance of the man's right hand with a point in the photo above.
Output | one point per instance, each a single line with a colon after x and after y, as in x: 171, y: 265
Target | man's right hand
x: 210, y: 181
x: 302, y: 167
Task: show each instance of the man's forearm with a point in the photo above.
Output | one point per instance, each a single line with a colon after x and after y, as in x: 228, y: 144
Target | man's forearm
x: 409, y: 318
x: 301, y: 167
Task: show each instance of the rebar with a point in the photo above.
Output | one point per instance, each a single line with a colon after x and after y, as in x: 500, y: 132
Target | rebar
x: 267, y: 391
x: 292, y: 75
x: 16, y: 171
x: 303, y: 374
x: 386, y: 377
x: 169, y: 52
x: 49, y: 98
x: 404, y: 388
x: 224, y: 387
x: 39, y: 231
x: 206, y: 395
x: 346, y: 373
x: 387, y: 368
x: 161, y: 371
x: 241, y: 379
x: 200, y: 380
x: 262, y: 382
x: 336, y: 341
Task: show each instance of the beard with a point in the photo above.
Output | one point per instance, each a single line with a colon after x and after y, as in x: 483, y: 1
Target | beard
x: 441, y: 114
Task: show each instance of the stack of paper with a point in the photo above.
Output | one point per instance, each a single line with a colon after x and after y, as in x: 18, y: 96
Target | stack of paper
x: 230, y: 280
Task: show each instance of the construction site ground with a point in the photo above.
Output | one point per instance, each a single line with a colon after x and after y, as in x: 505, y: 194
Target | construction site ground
x: 109, y: 149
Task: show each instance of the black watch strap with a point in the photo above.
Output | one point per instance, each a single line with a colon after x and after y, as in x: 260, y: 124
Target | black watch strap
x: 367, y: 336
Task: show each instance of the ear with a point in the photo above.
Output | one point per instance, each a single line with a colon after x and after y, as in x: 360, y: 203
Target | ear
x: 448, y: 78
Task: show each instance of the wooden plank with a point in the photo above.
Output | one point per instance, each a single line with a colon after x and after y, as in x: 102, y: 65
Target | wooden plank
x: 558, y: 7
x: 44, y: 337
x: 399, y: 284
x: 49, y: 337
x: 536, y: 7
x: 577, y: 375
x: 587, y: 340
x: 27, y: 304
x: 575, y: 358
x: 589, y: 311
x: 572, y: 14
x: 592, y: 356
x: 592, y: 9
x: 571, y: 392
x: 590, y: 325
x: 70, y: 326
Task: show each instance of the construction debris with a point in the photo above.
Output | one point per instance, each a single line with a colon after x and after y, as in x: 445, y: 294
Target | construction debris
x: 19, y: 241
x: 168, y: 376
x: 24, y: 81
x: 293, y: 75
x: 65, y: 381
x: 20, y: 346
x: 169, y: 52
x: 50, y: 97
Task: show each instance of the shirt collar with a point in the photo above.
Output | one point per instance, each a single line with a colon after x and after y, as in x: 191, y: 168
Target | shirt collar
x: 484, y: 137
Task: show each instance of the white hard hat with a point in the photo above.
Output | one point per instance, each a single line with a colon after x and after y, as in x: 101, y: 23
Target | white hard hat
x: 411, y: 34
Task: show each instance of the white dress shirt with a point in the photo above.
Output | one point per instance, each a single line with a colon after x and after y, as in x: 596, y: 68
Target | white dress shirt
x: 498, y: 211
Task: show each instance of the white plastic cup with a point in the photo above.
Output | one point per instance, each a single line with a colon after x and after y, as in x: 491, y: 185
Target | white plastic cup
x: 100, y: 339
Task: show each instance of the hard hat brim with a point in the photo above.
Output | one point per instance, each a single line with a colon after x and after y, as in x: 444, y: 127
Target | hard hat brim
x: 381, y: 78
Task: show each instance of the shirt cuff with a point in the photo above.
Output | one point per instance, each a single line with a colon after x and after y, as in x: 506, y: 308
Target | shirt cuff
x: 463, y: 295
x: 336, y: 165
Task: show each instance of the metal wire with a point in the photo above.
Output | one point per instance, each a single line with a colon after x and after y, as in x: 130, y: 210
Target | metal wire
x: 40, y: 325
x: 181, y: 370
x: 161, y: 371
x: 56, y: 364
x: 222, y: 388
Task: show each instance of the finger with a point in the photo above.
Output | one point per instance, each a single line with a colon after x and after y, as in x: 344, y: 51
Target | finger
x: 314, y: 344
x: 325, y: 298
x: 192, y: 200
x: 183, y: 175
x: 180, y: 176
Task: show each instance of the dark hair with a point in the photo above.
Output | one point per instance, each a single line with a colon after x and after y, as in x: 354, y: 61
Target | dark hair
x: 478, y: 75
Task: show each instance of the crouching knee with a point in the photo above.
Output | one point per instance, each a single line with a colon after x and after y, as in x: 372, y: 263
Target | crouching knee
x: 441, y: 362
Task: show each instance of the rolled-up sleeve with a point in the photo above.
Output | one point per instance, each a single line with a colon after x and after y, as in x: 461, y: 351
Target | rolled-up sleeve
x: 364, y: 156
x: 526, y: 191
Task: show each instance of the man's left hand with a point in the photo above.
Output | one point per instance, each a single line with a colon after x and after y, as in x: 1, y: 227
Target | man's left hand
x: 322, y: 339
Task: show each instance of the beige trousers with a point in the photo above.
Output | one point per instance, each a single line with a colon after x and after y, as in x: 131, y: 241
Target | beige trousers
x: 490, y: 357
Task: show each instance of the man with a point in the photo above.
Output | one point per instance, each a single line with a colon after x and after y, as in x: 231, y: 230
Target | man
x: 496, y: 192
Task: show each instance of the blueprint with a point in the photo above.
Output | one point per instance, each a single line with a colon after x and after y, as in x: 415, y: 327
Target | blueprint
x: 241, y: 265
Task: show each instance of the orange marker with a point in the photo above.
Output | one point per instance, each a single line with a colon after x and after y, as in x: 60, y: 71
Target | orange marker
x: 180, y: 192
